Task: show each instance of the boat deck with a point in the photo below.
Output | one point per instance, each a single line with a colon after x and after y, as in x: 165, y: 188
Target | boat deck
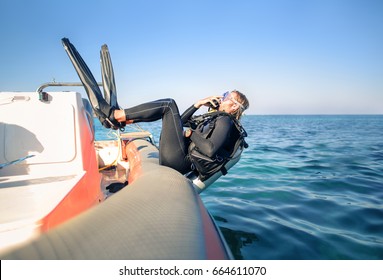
x: 24, y: 201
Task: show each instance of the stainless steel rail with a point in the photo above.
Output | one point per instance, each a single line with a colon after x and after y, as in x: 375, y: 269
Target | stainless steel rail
x: 43, y: 95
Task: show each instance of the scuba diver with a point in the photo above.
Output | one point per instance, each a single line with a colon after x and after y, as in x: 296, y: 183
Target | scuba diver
x: 212, y: 135
x: 207, y: 144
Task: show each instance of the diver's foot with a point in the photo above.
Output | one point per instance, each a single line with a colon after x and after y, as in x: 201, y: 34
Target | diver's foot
x: 120, y: 116
x: 109, y: 120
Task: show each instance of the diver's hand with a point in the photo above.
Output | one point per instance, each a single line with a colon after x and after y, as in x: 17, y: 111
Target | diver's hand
x: 211, y: 101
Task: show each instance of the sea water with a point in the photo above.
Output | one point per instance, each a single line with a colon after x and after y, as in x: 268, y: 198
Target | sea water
x: 308, y: 187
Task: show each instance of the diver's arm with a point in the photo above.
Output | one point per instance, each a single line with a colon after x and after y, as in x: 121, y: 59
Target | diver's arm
x: 208, y: 102
x: 188, y: 113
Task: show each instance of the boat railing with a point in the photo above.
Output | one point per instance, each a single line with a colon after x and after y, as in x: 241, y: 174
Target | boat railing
x: 43, y: 96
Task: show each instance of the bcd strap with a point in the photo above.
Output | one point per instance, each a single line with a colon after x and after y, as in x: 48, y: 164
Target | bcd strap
x: 224, y: 170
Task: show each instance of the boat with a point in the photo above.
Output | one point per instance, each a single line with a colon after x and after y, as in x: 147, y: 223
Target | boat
x: 65, y: 195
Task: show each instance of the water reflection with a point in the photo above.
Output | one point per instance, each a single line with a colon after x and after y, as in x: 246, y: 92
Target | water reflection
x: 237, y: 239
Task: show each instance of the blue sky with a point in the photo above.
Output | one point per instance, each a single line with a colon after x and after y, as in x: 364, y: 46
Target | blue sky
x: 288, y: 57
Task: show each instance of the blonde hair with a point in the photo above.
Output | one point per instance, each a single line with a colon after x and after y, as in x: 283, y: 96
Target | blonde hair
x: 241, y: 98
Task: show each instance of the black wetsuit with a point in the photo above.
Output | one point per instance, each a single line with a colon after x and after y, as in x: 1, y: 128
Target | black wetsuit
x: 173, y: 145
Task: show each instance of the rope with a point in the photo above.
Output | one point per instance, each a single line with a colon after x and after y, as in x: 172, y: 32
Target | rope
x: 114, y: 163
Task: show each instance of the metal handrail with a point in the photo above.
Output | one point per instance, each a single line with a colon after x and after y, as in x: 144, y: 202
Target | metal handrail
x: 60, y: 84
x: 43, y: 96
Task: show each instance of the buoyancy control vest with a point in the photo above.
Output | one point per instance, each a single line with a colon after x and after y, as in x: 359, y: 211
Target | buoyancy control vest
x: 207, y: 166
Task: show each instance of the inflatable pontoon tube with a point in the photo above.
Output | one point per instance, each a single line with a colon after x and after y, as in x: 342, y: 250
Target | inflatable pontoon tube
x: 158, y: 216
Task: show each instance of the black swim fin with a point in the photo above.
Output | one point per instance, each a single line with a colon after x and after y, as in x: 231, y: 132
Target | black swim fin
x: 100, y: 107
x: 108, y: 81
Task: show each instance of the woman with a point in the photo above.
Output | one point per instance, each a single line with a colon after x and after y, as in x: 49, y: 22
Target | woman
x: 207, y: 146
x: 174, y: 143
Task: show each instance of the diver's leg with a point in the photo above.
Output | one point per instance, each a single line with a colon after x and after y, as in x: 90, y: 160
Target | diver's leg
x: 173, y: 147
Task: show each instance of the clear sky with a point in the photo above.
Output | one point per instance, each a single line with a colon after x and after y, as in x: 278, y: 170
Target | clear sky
x: 288, y: 57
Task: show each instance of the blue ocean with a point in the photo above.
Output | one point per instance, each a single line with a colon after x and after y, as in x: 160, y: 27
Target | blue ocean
x: 307, y: 188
